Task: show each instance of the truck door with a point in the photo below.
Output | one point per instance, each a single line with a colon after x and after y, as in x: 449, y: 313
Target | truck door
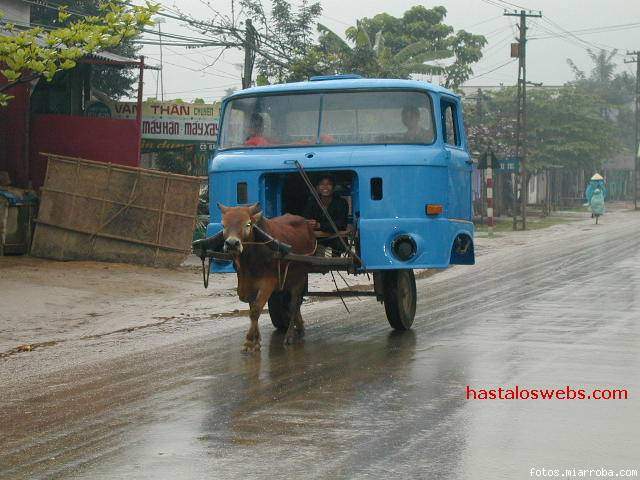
x: 459, y: 162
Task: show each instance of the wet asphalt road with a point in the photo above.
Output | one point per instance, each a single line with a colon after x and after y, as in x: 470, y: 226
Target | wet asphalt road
x: 357, y: 401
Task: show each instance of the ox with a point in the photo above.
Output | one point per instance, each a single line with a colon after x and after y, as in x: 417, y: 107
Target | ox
x: 259, y: 273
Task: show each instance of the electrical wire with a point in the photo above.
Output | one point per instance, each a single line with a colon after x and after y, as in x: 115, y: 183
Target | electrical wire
x: 482, y: 22
x: 513, y: 60
x: 515, y: 5
x: 204, y: 72
x: 493, y: 3
x: 220, y: 87
x: 568, y: 35
x: 594, y: 30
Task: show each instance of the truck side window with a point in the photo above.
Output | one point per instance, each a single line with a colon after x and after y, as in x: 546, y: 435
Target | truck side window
x: 450, y: 124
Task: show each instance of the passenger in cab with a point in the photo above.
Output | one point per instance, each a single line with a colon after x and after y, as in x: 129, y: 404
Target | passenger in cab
x: 255, y: 132
x: 411, y: 119
x: 336, y: 206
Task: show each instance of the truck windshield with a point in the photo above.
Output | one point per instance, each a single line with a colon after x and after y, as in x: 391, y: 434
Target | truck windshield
x: 342, y: 118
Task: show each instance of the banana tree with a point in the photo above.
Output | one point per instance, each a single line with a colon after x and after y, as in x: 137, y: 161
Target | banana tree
x: 376, y: 59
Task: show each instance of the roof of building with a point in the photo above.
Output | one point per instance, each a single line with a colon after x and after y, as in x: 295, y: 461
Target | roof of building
x: 109, y: 58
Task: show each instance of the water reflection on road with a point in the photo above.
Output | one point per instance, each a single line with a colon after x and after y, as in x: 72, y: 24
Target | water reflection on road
x: 356, y: 401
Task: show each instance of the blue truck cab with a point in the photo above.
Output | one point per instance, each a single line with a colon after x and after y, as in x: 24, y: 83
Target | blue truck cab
x: 397, y: 149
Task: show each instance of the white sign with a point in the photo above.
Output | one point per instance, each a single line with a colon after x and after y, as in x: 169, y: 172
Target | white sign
x: 197, y: 122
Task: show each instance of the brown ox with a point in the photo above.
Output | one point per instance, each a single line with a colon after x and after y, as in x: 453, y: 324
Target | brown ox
x: 259, y: 274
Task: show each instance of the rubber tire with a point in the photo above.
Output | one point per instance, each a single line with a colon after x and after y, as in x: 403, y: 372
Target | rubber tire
x: 279, y: 310
x: 399, y: 296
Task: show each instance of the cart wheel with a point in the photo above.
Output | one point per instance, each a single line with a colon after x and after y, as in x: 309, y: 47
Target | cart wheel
x: 279, y: 310
x: 399, y: 292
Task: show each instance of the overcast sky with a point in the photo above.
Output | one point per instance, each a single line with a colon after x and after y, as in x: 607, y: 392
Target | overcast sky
x: 188, y: 74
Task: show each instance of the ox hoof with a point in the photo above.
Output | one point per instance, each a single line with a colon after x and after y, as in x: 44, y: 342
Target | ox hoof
x: 294, y: 337
x: 250, y: 347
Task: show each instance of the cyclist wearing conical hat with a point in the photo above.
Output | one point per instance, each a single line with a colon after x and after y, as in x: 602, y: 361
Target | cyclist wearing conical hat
x: 597, y: 181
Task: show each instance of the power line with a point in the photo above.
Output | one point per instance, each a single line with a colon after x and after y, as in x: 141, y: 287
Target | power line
x: 511, y: 61
x: 496, y: 31
x: 482, y: 22
x: 515, y: 5
x: 594, y: 30
x: 204, y: 66
x: 567, y: 34
x: 204, y: 72
x: 220, y: 87
x: 336, y: 20
x: 493, y: 3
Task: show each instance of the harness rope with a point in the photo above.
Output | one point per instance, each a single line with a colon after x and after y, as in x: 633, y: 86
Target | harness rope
x: 282, y: 279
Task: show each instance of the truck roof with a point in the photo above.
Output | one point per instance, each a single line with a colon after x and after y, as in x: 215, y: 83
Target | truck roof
x: 341, y: 83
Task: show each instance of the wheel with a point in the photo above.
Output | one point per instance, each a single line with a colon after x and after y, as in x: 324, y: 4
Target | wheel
x: 399, y: 296
x: 279, y: 310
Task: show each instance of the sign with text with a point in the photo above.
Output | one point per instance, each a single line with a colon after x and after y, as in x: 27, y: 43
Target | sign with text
x: 152, y: 145
x: 195, y: 122
x: 508, y: 165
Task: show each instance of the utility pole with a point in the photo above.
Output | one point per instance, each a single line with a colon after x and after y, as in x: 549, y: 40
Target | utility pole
x: 519, y: 50
x: 249, y: 54
x: 637, y: 138
x: 159, y: 21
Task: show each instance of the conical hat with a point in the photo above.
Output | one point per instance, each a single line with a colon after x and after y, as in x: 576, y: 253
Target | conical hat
x: 597, y: 176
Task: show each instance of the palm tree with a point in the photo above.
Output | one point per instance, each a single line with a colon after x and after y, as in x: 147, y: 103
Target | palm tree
x: 600, y: 79
x: 375, y: 59
x: 603, y: 66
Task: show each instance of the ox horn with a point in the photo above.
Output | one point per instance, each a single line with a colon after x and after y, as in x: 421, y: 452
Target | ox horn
x: 223, y: 208
x: 255, y: 208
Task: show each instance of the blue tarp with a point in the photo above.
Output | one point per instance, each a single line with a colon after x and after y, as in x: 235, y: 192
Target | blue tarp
x: 14, y: 199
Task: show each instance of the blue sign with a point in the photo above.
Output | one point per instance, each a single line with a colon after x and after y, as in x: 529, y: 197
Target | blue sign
x: 508, y: 165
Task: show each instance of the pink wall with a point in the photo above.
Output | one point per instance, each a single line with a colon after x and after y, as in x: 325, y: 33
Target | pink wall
x: 14, y: 133
x: 99, y: 139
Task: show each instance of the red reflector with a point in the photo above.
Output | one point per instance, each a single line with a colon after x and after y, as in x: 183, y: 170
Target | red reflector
x: 434, y: 209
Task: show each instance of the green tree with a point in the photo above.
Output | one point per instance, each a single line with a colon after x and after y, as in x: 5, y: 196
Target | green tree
x: 616, y: 91
x: 286, y: 35
x: 114, y: 82
x: 41, y: 53
x: 388, y: 46
x: 565, y: 127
